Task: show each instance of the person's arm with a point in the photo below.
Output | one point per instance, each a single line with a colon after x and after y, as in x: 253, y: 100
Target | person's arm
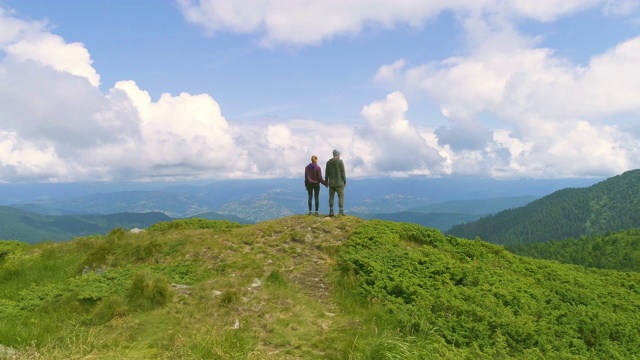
x: 344, y: 174
x: 326, y: 172
x: 319, y: 173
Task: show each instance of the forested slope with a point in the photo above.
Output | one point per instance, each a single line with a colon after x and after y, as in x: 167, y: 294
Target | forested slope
x: 617, y: 251
x: 16, y: 224
x: 608, y: 206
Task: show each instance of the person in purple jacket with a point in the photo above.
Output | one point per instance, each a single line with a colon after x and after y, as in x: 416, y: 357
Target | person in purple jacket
x: 312, y: 180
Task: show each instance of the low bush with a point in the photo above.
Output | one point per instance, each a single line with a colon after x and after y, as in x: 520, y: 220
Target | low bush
x: 193, y: 224
x: 148, y: 291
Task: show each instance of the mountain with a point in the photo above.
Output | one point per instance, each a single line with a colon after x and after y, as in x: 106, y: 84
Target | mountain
x: 32, y: 227
x: 216, y: 216
x: 610, y: 205
x: 259, y: 200
x: 306, y: 287
x: 440, y: 221
x: 174, y: 205
x: 16, y: 224
x: 475, y: 207
x: 446, y: 214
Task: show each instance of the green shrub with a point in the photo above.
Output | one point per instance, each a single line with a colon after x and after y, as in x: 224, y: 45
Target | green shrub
x: 8, y: 247
x: 117, y: 234
x: 420, y: 234
x: 229, y: 297
x: 276, y: 278
x: 148, y: 291
x: 193, y: 224
x: 99, y: 254
x: 108, y: 309
x: 145, y: 250
x: 183, y: 272
x: 482, y: 299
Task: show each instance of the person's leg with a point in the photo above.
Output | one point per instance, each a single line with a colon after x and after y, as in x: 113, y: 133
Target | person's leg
x: 340, y: 191
x: 310, y: 193
x: 316, y: 195
x: 332, y: 192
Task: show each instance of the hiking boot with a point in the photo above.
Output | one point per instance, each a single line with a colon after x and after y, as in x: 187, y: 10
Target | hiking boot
x: 310, y: 213
x: 331, y: 214
x: 316, y: 214
x: 340, y: 213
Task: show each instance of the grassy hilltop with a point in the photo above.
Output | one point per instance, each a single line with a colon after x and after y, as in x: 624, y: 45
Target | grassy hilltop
x: 303, y: 287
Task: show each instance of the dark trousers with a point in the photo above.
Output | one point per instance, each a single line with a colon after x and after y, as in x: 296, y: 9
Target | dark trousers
x: 332, y: 191
x: 313, y: 190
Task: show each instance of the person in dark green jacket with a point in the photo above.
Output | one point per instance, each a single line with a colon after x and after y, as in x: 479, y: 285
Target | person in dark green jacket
x: 336, y: 177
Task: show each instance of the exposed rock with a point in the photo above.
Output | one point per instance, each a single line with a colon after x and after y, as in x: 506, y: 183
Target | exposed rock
x: 136, y: 231
x: 6, y: 351
x: 183, y: 289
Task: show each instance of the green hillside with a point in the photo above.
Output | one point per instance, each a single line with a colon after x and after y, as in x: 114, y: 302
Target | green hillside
x: 305, y: 287
x: 608, y: 206
x: 21, y: 225
x: 616, y: 251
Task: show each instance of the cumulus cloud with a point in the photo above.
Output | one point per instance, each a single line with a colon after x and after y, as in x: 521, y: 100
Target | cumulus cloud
x: 51, y: 50
x: 549, y: 115
x: 304, y: 22
x: 390, y: 144
x: 57, y: 125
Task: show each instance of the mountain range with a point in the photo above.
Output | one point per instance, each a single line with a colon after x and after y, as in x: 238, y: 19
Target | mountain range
x: 607, y: 206
x: 439, y: 203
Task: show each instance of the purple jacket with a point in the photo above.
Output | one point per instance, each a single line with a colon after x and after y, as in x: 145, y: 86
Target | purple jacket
x: 313, y: 175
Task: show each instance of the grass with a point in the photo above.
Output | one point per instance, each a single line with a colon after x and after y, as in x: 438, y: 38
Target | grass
x: 254, y: 292
x: 288, y: 289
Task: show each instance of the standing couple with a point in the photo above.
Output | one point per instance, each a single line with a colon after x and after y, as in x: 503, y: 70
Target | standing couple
x: 336, y: 180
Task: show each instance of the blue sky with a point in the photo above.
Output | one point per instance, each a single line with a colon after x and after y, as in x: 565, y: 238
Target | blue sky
x: 151, y: 90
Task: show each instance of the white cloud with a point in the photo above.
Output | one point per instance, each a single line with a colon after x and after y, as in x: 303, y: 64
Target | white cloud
x: 57, y: 125
x: 394, y: 145
x: 51, y: 50
x: 28, y: 41
x: 311, y: 22
x: 548, y: 116
x: 12, y: 28
x: 391, y: 72
x: 303, y: 23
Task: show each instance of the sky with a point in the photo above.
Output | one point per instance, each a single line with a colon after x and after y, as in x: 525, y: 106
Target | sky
x: 179, y: 90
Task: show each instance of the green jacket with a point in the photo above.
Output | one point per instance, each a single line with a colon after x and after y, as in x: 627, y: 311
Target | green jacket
x: 334, y: 173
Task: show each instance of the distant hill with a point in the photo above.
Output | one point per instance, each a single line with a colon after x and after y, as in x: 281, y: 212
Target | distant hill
x: 305, y: 287
x: 25, y: 226
x: 608, y: 206
x: 475, y: 206
x: 440, y: 221
x: 446, y: 214
x: 259, y: 200
x: 174, y: 205
x: 216, y: 216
